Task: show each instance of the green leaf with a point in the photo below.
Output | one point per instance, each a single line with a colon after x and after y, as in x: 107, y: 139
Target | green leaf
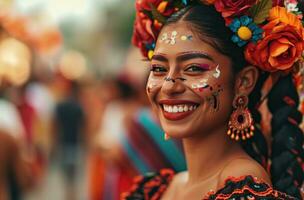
x: 260, y: 11
x: 157, y: 15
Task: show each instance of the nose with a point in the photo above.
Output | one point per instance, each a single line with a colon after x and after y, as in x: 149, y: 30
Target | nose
x: 173, y: 85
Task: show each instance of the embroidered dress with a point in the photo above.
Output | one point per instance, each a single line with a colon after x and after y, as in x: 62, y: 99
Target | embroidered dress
x: 152, y: 187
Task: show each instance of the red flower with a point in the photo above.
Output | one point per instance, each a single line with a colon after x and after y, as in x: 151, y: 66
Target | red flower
x: 146, y: 30
x: 146, y: 4
x: 164, y: 7
x: 143, y: 33
x: 233, y: 8
x: 277, y: 3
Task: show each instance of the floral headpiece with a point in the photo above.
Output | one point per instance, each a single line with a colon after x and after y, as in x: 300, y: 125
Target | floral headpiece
x: 271, y: 31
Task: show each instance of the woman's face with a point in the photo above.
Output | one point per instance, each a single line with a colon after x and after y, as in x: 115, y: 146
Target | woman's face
x: 190, y: 86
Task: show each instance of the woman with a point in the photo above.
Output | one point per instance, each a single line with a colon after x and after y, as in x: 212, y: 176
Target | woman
x: 213, y: 63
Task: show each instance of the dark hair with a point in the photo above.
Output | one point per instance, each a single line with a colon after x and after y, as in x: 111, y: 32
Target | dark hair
x: 286, y: 171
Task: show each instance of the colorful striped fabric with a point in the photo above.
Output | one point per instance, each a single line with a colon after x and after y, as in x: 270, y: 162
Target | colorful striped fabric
x: 143, y: 150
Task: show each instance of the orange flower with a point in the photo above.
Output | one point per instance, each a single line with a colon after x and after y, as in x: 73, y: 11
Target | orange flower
x: 279, y: 15
x: 282, y: 44
x: 280, y: 48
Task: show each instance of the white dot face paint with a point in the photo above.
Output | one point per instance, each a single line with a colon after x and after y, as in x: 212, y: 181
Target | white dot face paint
x: 171, y: 38
x: 164, y: 37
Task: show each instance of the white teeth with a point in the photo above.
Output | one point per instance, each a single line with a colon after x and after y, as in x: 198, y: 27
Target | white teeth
x: 175, y: 109
x: 170, y: 109
x: 179, y: 108
x: 185, y: 108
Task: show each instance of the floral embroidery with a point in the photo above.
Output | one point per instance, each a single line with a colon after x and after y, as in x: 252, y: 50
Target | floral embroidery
x: 153, y: 185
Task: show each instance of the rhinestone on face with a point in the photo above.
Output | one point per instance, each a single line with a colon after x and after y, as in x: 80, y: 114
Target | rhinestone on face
x: 184, y: 38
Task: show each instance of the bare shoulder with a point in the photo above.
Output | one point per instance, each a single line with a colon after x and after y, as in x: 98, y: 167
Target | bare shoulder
x: 240, y: 167
x: 179, y: 179
x: 177, y: 182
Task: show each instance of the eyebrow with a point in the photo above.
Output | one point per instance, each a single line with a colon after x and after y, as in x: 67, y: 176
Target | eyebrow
x: 159, y: 57
x: 192, y: 55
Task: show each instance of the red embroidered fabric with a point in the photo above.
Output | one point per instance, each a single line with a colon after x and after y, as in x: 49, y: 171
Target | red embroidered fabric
x: 153, y: 185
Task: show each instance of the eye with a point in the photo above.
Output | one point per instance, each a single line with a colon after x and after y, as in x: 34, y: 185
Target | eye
x: 158, y: 69
x: 197, y: 68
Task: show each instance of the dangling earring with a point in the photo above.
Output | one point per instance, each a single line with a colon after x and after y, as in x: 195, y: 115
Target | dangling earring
x: 166, y: 136
x: 241, y: 122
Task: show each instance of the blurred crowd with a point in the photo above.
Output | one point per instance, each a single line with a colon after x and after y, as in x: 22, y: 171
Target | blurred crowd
x: 91, y: 135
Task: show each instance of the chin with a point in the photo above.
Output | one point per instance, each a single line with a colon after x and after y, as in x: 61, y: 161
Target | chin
x: 176, y: 129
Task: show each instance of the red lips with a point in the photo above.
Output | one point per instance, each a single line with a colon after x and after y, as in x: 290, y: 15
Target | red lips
x: 177, y: 115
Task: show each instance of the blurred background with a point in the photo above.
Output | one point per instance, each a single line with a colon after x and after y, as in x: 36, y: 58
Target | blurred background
x: 75, y: 123
x: 74, y: 119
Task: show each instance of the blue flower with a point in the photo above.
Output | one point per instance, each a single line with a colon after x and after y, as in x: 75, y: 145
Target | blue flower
x: 245, y: 30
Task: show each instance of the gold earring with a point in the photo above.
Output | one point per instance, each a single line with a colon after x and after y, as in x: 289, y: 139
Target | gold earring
x: 241, y: 122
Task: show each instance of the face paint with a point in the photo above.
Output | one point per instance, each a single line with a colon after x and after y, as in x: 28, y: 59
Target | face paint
x: 217, y: 72
x: 203, y: 66
x: 186, y: 37
x: 164, y: 37
x: 151, y: 84
x: 169, y: 39
x: 174, y: 79
x: 201, y: 85
x: 173, y: 38
x: 214, y: 100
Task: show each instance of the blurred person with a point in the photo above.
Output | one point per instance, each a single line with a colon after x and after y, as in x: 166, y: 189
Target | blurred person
x: 39, y: 96
x: 31, y: 123
x: 125, y: 129
x: 16, y: 175
x: 69, y: 127
x: 206, y: 85
x: 18, y: 46
x: 15, y: 171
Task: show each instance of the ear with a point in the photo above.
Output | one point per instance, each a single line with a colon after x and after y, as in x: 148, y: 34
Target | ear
x: 246, y: 80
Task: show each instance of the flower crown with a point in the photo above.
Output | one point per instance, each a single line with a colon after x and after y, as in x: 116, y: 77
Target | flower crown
x: 271, y: 31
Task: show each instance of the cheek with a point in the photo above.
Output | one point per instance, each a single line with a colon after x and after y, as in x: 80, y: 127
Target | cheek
x: 152, y: 90
x: 213, y: 92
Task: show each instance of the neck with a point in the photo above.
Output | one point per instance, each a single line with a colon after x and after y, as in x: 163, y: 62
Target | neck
x: 206, y: 154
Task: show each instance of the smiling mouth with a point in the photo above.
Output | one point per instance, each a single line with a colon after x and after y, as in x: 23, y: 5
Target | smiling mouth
x: 179, y: 108
x: 178, y: 111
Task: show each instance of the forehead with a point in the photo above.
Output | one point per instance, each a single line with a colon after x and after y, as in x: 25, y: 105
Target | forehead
x: 185, y: 41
